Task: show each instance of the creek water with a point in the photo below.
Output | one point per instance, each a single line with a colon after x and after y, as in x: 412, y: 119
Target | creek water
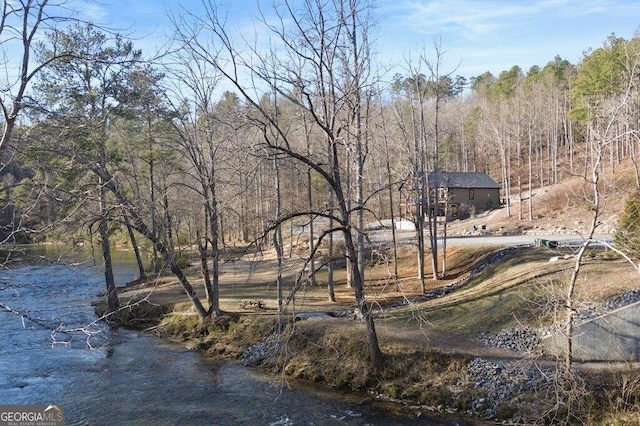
x: 115, y: 376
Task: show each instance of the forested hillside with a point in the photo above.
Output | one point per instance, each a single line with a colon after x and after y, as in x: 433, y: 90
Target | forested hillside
x: 170, y: 137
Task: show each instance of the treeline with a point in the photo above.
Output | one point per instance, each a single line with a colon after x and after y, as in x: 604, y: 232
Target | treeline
x: 170, y: 134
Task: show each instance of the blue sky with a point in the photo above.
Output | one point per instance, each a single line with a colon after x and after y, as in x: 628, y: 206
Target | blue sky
x: 476, y: 35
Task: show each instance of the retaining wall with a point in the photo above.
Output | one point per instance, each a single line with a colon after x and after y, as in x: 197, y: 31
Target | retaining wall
x: 614, y: 336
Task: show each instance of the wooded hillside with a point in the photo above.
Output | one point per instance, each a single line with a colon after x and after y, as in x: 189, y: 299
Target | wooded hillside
x: 169, y: 138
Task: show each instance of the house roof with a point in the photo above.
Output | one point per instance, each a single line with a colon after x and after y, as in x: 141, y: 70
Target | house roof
x: 461, y: 180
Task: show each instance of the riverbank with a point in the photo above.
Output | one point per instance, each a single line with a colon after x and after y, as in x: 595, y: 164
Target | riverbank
x: 432, y: 365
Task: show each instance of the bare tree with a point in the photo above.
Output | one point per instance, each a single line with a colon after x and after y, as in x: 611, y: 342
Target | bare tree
x: 318, y: 32
x: 411, y: 120
x: 440, y: 89
x: 203, y: 147
x: 391, y: 187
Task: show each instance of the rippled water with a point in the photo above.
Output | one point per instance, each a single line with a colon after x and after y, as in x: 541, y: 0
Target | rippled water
x: 103, y: 376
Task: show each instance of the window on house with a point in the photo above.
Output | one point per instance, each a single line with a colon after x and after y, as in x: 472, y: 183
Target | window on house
x: 471, y: 193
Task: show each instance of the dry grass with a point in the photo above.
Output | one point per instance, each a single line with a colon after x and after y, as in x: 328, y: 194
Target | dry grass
x: 565, y: 205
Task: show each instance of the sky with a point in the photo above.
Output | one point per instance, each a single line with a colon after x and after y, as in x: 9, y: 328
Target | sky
x: 475, y: 35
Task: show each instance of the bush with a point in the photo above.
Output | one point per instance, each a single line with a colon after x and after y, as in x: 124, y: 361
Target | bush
x: 627, y: 237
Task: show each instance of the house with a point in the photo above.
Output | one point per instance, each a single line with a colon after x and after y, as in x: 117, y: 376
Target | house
x: 459, y: 194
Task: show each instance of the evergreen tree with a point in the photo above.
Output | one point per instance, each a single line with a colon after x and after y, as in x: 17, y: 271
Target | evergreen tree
x: 627, y: 237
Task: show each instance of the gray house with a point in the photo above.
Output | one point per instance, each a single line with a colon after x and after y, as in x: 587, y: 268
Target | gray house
x: 459, y: 193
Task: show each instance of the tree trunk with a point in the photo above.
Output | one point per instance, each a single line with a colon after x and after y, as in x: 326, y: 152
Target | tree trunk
x: 595, y: 178
x: 356, y: 274
x: 391, y: 209
x: 103, y: 229
x: 166, y: 252
x: 155, y: 267
x: 432, y: 219
x: 204, y: 264
x: 360, y: 146
x: 277, y: 235
x: 214, y: 295
x: 420, y: 241
x: 330, y: 284
x: 432, y: 215
x: 330, y: 250
x: 312, y: 263
x: 444, y: 233
x: 530, y: 165
x: 136, y: 249
x: 358, y: 286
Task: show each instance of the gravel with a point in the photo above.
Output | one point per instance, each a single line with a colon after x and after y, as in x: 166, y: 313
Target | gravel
x: 617, y: 302
x: 523, y: 339
x: 255, y: 354
x: 500, y: 386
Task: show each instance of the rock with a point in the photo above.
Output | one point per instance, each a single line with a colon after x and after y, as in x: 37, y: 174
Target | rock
x: 515, y: 339
x: 498, y: 383
x: 622, y: 300
x: 257, y: 353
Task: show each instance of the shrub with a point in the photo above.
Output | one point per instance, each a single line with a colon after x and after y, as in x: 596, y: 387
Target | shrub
x: 627, y: 237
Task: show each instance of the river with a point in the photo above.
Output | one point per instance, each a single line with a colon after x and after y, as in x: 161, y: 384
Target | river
x: 114, y: 376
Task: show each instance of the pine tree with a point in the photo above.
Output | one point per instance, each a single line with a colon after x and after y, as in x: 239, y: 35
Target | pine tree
x: 627, y: 237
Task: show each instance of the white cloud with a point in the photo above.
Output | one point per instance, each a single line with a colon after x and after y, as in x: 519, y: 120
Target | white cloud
x: 473, y: 18
x: 90, y: 11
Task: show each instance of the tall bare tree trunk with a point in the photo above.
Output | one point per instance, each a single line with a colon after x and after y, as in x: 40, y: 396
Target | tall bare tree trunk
x: 358, y: 71
x: 155, y: 266
x: 391, y: 190
x: 570, y: 302
x: 330, y: 249
x: 203, y: 247
x: 277, y: 235
x: 213, y: 296
x: 530, y: 165
x: 103, y: 230
x: 136, y: 249
x: 444, y: 233
x: 422, y: 193
x: 312, y: 263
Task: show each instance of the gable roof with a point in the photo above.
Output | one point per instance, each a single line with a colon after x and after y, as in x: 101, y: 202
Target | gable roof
x: 461, y: 180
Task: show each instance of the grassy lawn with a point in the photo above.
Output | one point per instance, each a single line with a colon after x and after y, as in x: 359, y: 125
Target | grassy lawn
x: 523, y: 289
